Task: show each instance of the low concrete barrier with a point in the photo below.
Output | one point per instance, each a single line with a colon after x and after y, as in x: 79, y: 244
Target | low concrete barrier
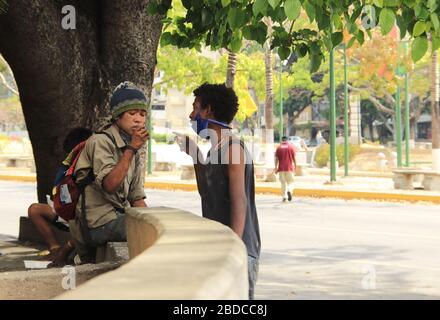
x: 174, y: 255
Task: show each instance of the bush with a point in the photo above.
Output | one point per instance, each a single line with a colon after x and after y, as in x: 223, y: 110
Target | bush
x: 163, y: 138
x: 323, y: 154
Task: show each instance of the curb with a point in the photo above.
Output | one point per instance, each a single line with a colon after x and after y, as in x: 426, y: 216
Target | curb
x: 18, y: 178
x: 313, y: 193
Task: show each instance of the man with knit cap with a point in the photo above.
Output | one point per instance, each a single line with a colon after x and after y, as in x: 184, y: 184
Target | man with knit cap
x: 110, y: 160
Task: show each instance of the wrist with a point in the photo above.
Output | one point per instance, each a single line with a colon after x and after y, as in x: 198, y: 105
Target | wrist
x: 131, y: 148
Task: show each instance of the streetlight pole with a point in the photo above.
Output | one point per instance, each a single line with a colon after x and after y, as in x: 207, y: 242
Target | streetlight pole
x: 397, y: 128
x: 332, y: 117
x: 407, y: 127
x: 346, y: 149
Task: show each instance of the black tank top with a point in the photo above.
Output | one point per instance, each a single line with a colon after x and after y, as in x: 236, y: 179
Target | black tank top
x: 216, y: 203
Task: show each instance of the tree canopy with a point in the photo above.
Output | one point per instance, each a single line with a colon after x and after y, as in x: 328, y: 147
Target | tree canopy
x: 226, y: 23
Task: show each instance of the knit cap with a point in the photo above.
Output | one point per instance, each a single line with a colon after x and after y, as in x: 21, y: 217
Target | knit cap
x: 127, y: 97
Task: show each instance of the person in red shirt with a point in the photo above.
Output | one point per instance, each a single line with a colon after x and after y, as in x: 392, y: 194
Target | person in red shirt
x: 285, y: 165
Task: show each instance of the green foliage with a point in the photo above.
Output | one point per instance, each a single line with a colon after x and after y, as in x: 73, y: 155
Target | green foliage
x: 323, y: 154
x: 3, y: 6
x: 419, y: 48
x: 162, y: 138
x: 223, y: 24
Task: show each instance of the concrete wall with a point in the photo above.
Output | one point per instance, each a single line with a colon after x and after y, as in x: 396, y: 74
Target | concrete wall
x: 174, y: 255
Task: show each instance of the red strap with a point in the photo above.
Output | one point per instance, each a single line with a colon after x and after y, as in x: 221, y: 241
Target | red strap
x: 76, y: 152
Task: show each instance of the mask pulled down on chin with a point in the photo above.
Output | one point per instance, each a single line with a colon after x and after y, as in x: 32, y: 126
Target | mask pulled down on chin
x: 200, y: 126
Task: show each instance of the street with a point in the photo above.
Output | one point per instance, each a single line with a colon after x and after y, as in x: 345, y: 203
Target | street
x: 316, y: 248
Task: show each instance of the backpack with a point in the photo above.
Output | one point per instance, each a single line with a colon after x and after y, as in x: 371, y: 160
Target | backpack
x: 66, y: 191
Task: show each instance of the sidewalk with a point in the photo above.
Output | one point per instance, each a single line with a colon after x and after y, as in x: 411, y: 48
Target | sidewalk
x: 359, y: 185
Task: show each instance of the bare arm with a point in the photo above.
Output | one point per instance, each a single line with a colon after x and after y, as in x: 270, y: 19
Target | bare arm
x: 237, y: 193
x: 139, y: 203
x: 188, y: 146
x: 114, y: 179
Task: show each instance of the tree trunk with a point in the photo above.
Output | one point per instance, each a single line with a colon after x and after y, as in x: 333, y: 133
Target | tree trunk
x: 371, y: 130
x: 435, y: 97
x: 231, y: 69
x: 65, y: 77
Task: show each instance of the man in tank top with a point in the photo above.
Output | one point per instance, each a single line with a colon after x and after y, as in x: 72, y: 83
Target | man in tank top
x: 225, y: 180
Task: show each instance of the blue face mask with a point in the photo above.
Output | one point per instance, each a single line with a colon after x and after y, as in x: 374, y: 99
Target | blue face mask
x: 200, y: 125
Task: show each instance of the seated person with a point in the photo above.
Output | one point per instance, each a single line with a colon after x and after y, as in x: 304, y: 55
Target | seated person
x: 111, y: 157
x: 43, y: 215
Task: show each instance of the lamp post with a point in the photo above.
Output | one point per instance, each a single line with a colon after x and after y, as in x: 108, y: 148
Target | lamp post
x: 346, y: 148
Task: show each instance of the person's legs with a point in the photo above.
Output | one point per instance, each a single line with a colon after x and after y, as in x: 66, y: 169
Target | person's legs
x: 253, y: 265
x: 283, y: 184
x: 289, y: 181
x: 41, y: 215
x: 111, y: 231
x: 62, y: 255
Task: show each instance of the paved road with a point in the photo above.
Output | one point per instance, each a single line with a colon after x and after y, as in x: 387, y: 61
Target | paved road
x: 322, y: 249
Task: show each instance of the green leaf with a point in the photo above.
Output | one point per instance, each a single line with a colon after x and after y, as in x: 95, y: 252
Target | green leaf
x: 315, y: 48
x: 337, y: 38
x: 315, y: 62
x: 283, y: 52
x: 292, y: 8
x: 261, y: 33
x: 207, y: 17
x: 352, y: 27
x: 237, y: 39
x: 274, y: 3
x: 337, y: 21
x: 310, y: 10
x: 235, y: 17
x: 302, y: 50
x: 351, y: 42
x: 391, y: 3
x: 260, y: 6
x: 419, y: 28
x: 435, y: 43
x: 419, y: 48
x: 165, y: 39
x: 323, y: 21
x: 378, y: 3
x: 361, y: 37
x: 327, y: 43
x: 435, y: 21
x: 421, y: 12
x: 370, y: 34
x: 402, y: 23
x: 247, y: 33
x: 387, y: 19
x: 432, y: 5
x: 225, y: 3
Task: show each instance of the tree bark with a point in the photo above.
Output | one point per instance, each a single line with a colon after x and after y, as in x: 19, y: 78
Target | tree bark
x: 435, y: 98
x: 65, y: 77
x: 231, y: 69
